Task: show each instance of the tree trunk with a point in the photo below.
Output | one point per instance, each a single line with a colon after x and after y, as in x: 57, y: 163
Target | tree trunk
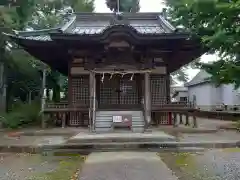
x: 30, y: 97
x: 2, y: 89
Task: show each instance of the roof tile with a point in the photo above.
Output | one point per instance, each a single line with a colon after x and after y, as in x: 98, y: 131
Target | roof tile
x: 39, y: 38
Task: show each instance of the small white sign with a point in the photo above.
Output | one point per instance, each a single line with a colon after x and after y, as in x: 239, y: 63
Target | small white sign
x: 117, y: 119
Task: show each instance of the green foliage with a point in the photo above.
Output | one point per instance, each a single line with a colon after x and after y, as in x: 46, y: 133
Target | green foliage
x: 23, y: 72
x: 217, y: 22
x: 22, y: 115
x: 124, y: 6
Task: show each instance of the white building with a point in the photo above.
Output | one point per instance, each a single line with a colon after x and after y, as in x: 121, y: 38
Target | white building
x: 205, y: 95
x: 179, y: 93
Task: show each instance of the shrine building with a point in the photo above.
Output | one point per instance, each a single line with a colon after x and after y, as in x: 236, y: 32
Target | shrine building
x: 118, y: 67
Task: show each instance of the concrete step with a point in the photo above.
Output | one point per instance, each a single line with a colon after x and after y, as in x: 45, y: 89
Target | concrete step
x: 120, y: 139
x: 137, y: 146
x: 133, y: 146
x: 66, y: 152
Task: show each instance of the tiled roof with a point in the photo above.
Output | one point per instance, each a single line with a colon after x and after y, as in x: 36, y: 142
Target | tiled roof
x: 201, y: 77
x: 96, y: 23
x: 39, y: 37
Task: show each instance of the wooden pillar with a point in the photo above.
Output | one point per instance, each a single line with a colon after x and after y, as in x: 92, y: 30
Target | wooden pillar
x: 94, y: 102
x: 195, y: 125
x: 92, y: 107
x: 70, y: 86
x: 181, y: 118
x: 70, y: 93
x: 187, y: 119
x: 175, y: 122
x: 43, y: 98
x: 91, y: 93
x: 140, y: 88
x: 63, y: 117
x: 147, y: 99
x: 168, y: 100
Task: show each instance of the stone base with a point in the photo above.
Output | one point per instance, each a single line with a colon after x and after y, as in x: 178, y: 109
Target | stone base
x: 126, y: 137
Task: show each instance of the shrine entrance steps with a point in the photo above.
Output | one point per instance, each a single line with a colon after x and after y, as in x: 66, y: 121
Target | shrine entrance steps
x: 104, y: 121
x: 117, y: 141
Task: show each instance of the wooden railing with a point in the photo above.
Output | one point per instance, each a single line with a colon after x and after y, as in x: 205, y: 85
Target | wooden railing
x: 179, y: 113
x: 64, y: 106
x: 62, y: 111
x: 59, y: 105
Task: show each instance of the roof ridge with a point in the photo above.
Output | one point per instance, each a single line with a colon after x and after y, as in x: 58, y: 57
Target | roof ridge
x: 66, y: 25
x: 166, y: 23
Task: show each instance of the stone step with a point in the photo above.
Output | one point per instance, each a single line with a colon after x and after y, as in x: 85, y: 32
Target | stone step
x: 135, y: 146
x: 120, y: 140
x: 154, y: 146
x: 66, y: 152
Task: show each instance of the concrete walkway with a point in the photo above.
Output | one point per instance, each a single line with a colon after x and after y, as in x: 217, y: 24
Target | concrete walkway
x: 125, y: 166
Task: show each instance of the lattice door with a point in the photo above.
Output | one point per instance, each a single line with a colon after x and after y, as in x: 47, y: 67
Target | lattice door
x: 108, y: 94
x: 80, y: 90
x: 118, y: 92
x: 158, y: 89
x: 159, y: 95
x: 80, y: 97
x: 129, y: 94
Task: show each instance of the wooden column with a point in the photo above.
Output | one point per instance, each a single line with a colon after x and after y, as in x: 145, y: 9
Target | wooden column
x: 147, y: 99
x: 175, y: 122
x: 168, y: 100
x: 181, y: 118
x: 91, y: 94
x: 94, y: 102
x: 43, y: 98
x: 92, y: 107
x: 70, y: 92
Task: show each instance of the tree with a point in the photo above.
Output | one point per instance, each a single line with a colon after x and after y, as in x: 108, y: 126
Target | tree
x: 124, y: 5
x: 217, y: 22
x: 23, y: 75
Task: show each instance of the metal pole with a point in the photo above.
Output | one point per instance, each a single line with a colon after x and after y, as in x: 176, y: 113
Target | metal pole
x: 43, y: 97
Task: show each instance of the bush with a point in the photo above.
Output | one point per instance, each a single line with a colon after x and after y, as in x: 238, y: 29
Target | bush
x: 21, y: 116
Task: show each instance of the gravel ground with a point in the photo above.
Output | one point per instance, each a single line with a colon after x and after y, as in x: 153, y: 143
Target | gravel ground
x: 29, y: 166
x: 221, y: 164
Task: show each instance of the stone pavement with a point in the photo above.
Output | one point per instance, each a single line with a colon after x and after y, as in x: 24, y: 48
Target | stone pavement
x: 125, y: 166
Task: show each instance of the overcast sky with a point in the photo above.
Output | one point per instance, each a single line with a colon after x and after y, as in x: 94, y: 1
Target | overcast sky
x: 153, y: 6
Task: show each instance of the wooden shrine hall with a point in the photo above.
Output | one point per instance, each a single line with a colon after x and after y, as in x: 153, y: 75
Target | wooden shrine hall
x: 118, y: 67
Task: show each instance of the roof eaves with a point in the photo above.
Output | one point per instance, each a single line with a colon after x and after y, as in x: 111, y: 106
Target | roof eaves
x: 16, y: 37
x: 35, y: 32
x: 197, y: 83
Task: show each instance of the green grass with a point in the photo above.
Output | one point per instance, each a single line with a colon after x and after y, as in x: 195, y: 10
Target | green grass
x: 67, y: 169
